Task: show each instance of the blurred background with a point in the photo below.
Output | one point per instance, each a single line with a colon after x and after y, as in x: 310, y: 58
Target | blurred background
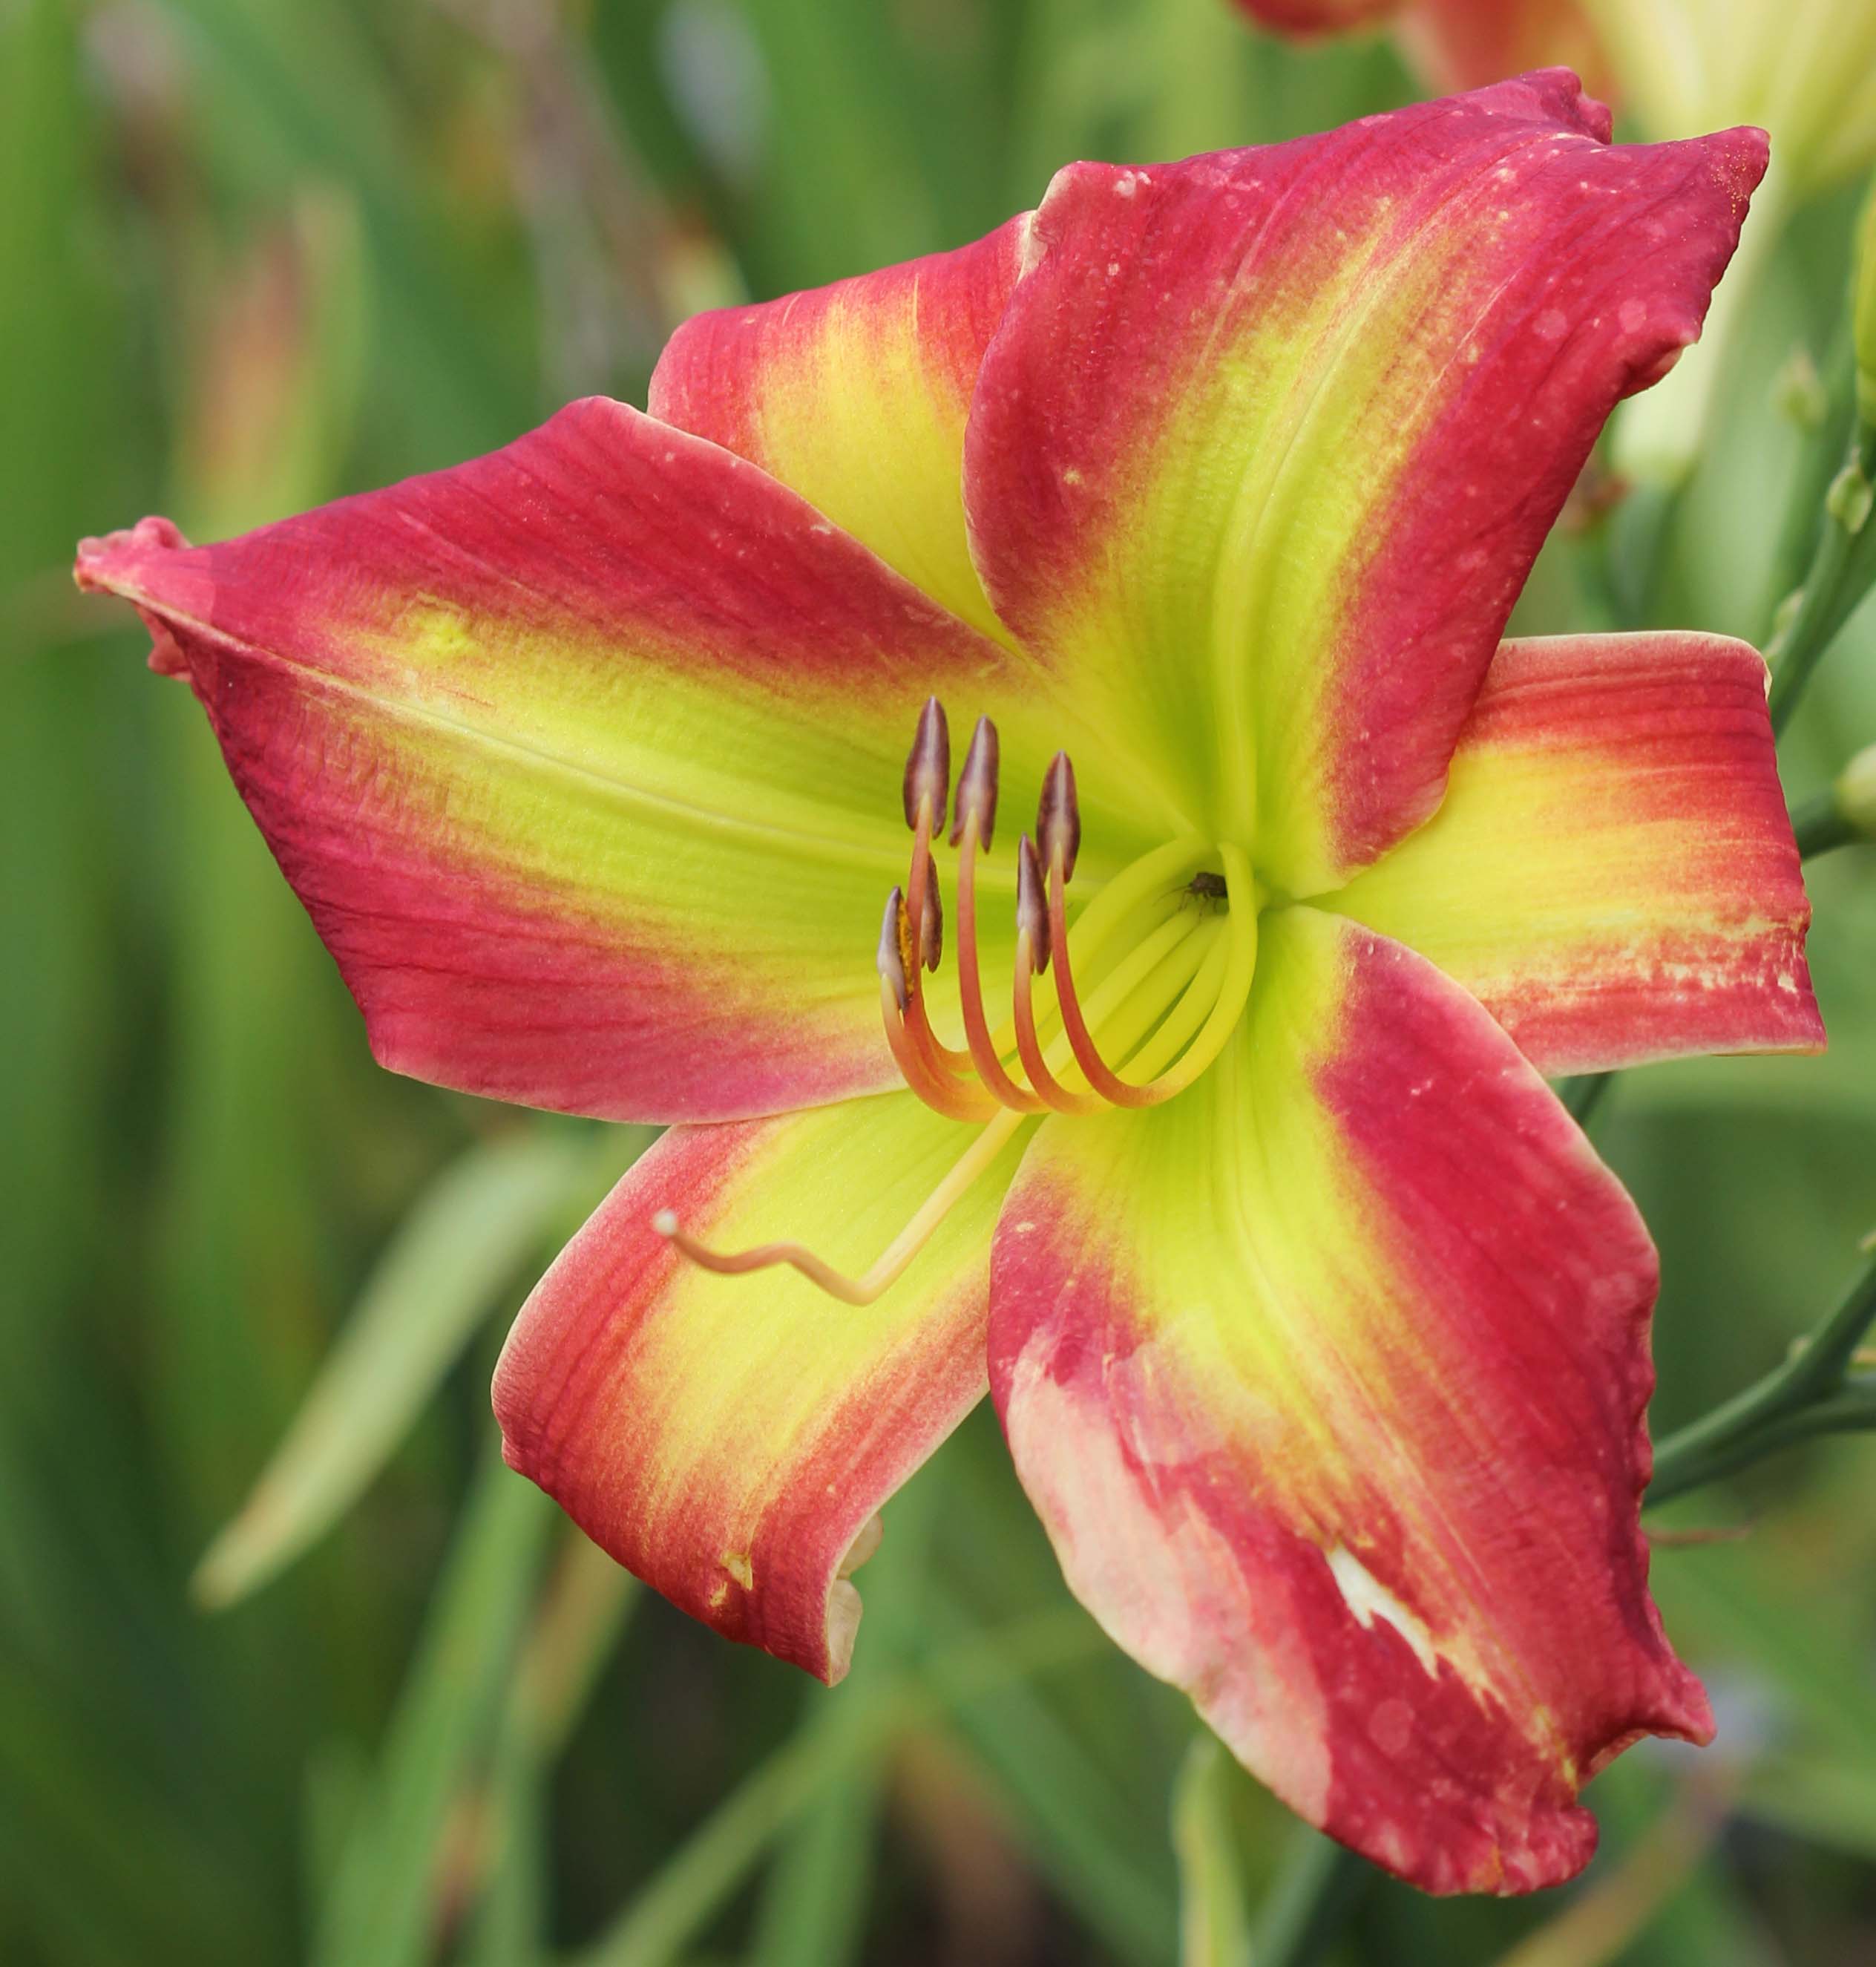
x: 290, y: 1670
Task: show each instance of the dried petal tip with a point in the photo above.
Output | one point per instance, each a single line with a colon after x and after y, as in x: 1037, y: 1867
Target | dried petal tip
x: 976, y: 785
x: 932, y: 929
x: 929, y: 765
x: 1032, y: 914
x: 891, y: 958
x: 665, y: 1222
x: 1058, y: 816
x: 871, y: 1535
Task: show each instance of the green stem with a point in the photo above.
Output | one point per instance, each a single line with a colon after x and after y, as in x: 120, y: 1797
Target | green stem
x: 1584, y: 1093
x: 1808, y: 1395
x: 1820, y: 826
x: 1832, y: 588
x: 663, y: 1919
x: 1315, y: 1892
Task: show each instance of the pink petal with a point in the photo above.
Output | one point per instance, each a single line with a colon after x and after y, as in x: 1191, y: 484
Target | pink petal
x: 584, y: 757
x: 730, y: 1439
x: 1267, y: 441
x: 1612, y: 872
x: 855, y: 395
x: 1328, y: 1381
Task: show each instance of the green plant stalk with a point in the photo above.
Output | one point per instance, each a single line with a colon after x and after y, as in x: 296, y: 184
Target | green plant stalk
x: 1820, y: 826
x: 1839, y: 574
x: 665, y: 1918
x: 1808, y: 1395
x: 1304, y: 1912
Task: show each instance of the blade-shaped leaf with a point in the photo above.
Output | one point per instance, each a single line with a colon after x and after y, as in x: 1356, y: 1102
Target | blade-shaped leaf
x: 443, y: 1273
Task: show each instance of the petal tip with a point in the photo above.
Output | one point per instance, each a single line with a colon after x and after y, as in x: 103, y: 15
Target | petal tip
x: 102, y: 566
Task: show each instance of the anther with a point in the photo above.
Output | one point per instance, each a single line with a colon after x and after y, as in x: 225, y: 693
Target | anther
x: 1032, y: 914
x: 928, y: 766
x: 977, y: 786
x: 891, y: 958
x: 931, y: 924
x: 1058, y: 816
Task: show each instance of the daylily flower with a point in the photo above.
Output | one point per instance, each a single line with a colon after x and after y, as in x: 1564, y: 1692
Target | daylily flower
x: 1803, y: 69
x: 1318, y: 1331
x: 1457, y: 43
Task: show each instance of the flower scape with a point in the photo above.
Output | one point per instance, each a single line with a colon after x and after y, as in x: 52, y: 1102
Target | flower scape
x: 1204, y: 1123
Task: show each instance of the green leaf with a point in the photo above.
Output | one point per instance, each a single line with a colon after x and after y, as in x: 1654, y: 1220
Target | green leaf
x: 382, y: 1907
x: 1214, y: 1919
x: 445, y: 1270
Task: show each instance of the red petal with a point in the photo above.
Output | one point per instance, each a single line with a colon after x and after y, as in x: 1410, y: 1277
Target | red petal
x: 1328, y: 1381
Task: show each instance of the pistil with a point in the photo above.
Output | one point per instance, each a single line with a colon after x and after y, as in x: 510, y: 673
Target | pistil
x: 890, y: 1265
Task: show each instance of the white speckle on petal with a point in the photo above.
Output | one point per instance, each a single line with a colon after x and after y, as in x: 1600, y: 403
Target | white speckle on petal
x: 1369, y: 1599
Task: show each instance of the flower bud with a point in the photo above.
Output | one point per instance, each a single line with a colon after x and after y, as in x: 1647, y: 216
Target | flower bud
x: 1854, y: 792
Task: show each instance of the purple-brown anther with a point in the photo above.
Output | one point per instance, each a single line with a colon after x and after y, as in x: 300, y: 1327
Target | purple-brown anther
x: 932, y: 927
x: 977, y: 786
x: 891, y: 958
x: 1032, y: 914
x: 1058, y: 816
x: 928, y: 766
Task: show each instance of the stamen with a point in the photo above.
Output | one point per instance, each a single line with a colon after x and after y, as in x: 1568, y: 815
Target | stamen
x: 928, y: 766
x: 977, y: 786
x: 891, y: 1264
x: 1177, y: 929
x: 1032, y: 916
x: 1100, y: 1077
x: 1234, y: 992
x: 890, y: 956
x: 932, y: 923
x: 983, y: 1046
x: 915, y: 1051
x: 940, y: 1089
x: 1058, y: 816
x: 927, y: 780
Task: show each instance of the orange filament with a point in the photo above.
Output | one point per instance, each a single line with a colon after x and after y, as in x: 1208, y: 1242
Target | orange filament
x: 1049, y: 1089
x: 1107, y: 1083
x: 1176, y: 933
x: 941, y: 1090
x: 982, y: 1049
x: 939, y: 1056
x: 1169, y: 1006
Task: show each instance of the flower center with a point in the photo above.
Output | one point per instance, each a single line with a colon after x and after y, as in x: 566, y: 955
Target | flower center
x: 1164, y: 1006
x: 1170, y: 943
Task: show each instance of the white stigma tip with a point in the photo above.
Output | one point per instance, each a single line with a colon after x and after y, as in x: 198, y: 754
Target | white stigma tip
x: 665, y: 1222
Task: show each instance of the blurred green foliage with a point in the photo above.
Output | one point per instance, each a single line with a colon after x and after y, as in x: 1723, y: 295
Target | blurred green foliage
x: 254, y: 254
